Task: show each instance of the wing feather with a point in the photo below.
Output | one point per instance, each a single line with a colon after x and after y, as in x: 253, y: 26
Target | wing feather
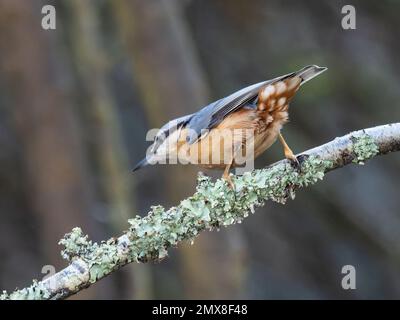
x: 211, y: 115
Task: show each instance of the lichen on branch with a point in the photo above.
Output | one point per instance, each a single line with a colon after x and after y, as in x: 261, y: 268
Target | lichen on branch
x: 364, y: 148
x: 213, y: 205
x: 36, y: 291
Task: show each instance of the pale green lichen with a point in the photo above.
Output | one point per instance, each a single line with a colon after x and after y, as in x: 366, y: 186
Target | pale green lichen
x: 213, y: 205
x: 76, y: 244
x: 101, y: 258
x: 363, y: 148
x: 36, y: 291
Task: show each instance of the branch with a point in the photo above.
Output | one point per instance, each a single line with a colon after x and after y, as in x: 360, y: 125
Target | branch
x: 212, y: 206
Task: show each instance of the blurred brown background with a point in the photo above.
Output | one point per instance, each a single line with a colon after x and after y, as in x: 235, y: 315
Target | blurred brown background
x: 76, y: 103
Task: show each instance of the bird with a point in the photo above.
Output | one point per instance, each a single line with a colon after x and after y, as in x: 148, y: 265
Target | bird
x: 237, y: 128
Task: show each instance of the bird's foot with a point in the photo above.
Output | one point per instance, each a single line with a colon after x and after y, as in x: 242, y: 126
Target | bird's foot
x: 296, y: 162
x: 228, y: 179
x: 292, y: 158
x: 302, y: 157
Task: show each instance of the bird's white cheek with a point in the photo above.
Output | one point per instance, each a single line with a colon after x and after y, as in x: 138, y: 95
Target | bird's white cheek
x: 169, y: 146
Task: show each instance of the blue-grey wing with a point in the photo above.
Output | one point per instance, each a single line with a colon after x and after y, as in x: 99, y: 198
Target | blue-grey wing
x: 211, y: 115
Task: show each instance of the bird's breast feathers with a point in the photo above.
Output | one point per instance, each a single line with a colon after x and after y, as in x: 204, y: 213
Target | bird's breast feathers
x: 244, y: 124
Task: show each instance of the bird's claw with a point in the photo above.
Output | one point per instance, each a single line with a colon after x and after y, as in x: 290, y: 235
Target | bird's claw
x: 302, y: 157
x: 296, y: 162
x: 231, y: 184
x: 229, y: 181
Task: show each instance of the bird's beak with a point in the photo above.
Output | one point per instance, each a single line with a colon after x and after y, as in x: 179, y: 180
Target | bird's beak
x: 141, y: 164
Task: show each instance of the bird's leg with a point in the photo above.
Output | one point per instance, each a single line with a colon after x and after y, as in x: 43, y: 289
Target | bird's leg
x: 227, y: 177
x: 288, y: 152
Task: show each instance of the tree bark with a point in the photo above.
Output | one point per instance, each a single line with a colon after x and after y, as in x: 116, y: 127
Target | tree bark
x: 213, y: 205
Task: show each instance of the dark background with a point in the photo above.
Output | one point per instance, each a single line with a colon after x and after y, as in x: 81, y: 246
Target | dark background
x: 76, y: 103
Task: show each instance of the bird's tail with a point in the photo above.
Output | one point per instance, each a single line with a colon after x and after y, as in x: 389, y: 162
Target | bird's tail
x: 309, y: 72
x: 277, y: 95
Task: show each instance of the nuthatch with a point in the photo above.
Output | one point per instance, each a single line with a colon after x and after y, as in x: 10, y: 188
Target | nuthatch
x: 225, y: 130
